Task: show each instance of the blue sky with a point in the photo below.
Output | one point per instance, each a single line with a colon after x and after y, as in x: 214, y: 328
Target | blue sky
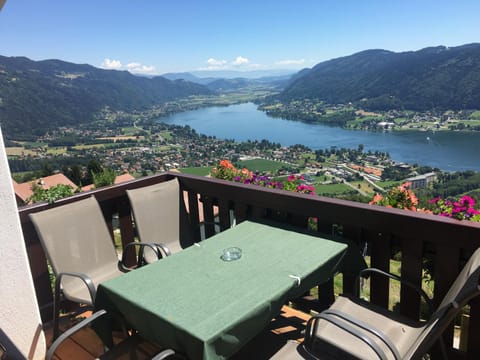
x: 159, y: 36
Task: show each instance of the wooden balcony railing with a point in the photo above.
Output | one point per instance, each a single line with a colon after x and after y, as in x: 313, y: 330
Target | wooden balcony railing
x: 447, y: 243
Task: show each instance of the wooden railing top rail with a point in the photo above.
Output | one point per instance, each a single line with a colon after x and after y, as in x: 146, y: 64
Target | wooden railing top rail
x: 382, y: 219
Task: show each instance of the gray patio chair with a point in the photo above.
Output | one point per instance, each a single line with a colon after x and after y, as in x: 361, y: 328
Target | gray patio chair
x: 133, y: 347
x: 355, y: 329
x: 161, y: 218
x: 80, y: 250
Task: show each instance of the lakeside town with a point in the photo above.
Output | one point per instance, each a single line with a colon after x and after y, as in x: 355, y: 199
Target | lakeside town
x: 353, y: 117
x: 138, y: 145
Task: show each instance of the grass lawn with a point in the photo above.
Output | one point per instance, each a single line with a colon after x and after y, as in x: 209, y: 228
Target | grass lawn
x: 33, y: 144
x: 331, y: 189
x: 201, y: 171
x: 475, y: 115
x: 18, y: 151
x: 91, y: 146
x: 261, y: 165
x: 167, y: 135
x: 57, y: 150
x: 130, y: 130
x: 388, y: 184
x: 364, y: 186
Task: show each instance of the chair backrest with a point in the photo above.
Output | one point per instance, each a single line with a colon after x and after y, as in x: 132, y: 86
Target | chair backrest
x: 76, y: 238
x: 160, y: 215
x: 464, y: 288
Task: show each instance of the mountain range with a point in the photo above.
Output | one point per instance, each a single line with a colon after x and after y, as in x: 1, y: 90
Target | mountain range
x: 208, y: 75
x: 36, y: 96
x: 234, y: 80
x: 432, y: 78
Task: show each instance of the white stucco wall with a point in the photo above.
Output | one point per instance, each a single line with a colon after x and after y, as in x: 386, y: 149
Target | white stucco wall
x: 19, y: 315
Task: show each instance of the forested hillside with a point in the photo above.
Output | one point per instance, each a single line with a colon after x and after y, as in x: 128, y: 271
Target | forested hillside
x: 431, y: 78
x: 39, y: 95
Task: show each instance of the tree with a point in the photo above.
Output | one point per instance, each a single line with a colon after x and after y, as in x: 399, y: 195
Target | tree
x: 74, y: 173
x: 104, y: 178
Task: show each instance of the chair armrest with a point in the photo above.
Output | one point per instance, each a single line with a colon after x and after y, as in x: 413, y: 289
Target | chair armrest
x: 158, y: 248
x: 84, y: 277
x: 418, y: 289
x: 164, y: 354
x: 65, y: 335
x: 336, y: 317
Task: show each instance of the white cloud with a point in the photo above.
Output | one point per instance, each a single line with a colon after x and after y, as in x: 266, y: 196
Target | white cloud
x: 290, y: 62
x: 111, y: 64
x: 138, y: 68
x: 240, y: 60
x: 216, y: 63
x: 133, y: 67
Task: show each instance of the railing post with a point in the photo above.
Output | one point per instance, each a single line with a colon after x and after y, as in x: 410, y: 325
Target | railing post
x: 208, y: 215
x: 126, y: 230
x: 412, y: 255
x: 194, y: 215
x: 380, y: 251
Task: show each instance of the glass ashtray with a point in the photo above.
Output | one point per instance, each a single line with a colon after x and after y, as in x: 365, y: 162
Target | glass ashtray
x: 231, y: 253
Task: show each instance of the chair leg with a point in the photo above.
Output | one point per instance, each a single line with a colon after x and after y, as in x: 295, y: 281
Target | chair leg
x: 56, y: 310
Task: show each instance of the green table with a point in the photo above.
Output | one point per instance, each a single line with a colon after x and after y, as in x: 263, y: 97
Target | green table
x: 207, y: 308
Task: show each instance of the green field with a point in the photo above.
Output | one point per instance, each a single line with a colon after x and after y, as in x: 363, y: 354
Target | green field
x: 166, y: 135
x: 475, y: 115
x: 388, y: 184
x: 91, y: 146
x: 332, y: 189
x: 201, y: 171
x: 57, y: 150
x: 130, y: 130
x: 261, y: 165
x: 18, y: 151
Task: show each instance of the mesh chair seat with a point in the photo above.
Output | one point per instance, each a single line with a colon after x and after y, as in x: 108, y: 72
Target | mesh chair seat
x: 77, y: 241
x: 160, y: 217
x: 399, y: 330
x: 355, y: 329
x: 75, y: 290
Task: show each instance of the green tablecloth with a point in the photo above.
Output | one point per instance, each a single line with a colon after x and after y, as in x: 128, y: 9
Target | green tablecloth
x: 208, y: 308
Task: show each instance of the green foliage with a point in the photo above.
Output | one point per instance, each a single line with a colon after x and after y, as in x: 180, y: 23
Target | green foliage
x: 400, y: 197
x: 451, y: 185
x: 104, y: 178
x: 394, y: 173
x: 50, y: 195
x: 460, y: 209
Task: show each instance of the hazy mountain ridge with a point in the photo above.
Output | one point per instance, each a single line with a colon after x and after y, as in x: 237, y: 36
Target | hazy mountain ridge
x: 38, y: 95
x: 229, y: 83
x: 435, y: 77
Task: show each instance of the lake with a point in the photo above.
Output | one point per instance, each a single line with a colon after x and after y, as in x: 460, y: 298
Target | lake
x: 449, y: 151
